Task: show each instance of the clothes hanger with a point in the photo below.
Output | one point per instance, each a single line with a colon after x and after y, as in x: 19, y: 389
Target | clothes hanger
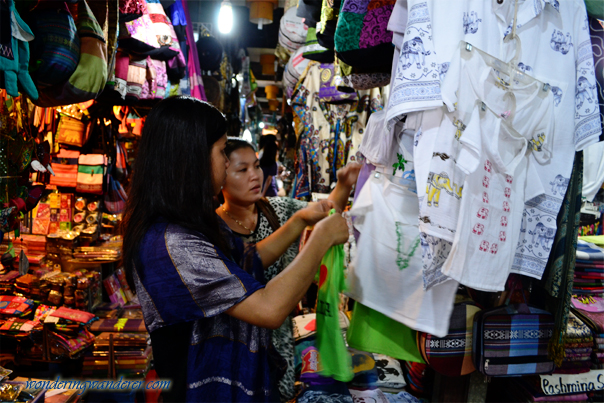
x: 509, y: 69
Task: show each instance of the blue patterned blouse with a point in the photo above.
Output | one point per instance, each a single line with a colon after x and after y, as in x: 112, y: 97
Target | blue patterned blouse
x: 184, y: 282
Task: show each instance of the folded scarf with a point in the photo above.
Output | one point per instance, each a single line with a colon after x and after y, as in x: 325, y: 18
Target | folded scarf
x: 581, y: 350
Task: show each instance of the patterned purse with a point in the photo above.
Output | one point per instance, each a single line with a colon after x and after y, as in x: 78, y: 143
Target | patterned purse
x: 362, y: 38
x: 512, y: 340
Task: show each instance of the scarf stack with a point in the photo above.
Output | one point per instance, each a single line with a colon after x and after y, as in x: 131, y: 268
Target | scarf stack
x: 578, y: 347
x: 589, y: 269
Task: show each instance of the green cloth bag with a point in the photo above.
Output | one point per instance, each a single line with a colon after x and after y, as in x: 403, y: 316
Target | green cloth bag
x: 374, y: 332
x: 595, y: 8
x: 336, y: 360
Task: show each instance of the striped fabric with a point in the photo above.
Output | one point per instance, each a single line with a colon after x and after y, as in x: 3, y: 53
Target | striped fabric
x: 512, y: 341
x: 452, y: 354
x: 65, y: 167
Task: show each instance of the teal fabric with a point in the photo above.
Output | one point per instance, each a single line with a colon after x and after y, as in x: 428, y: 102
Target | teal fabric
x: 15, y: 66
x: 595, y: 8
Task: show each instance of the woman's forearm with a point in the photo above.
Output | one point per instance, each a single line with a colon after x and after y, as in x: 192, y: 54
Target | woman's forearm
x: 268, y: 307
x: 275, y: 245
x: 340, y: 194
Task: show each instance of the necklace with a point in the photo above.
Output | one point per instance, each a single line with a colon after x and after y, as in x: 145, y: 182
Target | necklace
x: 236, y: 220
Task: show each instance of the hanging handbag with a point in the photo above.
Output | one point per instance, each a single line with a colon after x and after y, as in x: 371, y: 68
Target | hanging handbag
x: 115, y: 197
x: 71, y: 131
x: 451, y: 355
x: 65, y: 167
x: 512, y: 340
x: 90, y: 75
x: 91, y: 171
x: 362, y: 38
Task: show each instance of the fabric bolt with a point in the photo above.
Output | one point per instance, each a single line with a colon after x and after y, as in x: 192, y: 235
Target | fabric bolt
x: 386, y: 274
x: 545, y: 57
x: 364, y: 368
x: 401, y: 397
x: 362, y: 396
x: 201, y: 293
x: 326, y: 393
x: 390, y: 373
x: 589, y: 252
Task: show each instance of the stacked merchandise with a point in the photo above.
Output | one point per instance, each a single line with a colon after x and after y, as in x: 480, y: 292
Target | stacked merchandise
x: 578, y: 347
x: 375, y: 376
x: 70, y: 336
x: 589, y: 269
x: 528, y: 389
x: 7, y: 282
x: 591, y: 312
x: 131, y: 353
x: 16, y: 325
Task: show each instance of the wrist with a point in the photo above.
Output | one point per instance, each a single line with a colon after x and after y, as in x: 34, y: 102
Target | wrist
x: 299, y: 221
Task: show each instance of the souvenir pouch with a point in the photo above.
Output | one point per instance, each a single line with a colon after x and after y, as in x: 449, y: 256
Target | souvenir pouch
x: 512, y: 340
x: 91, y: 171
x: 366, y: 81
x: 65, y: 167
x: 451, y: 355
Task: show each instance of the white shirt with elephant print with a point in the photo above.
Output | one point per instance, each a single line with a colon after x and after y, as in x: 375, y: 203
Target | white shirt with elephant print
x: 555, y: 49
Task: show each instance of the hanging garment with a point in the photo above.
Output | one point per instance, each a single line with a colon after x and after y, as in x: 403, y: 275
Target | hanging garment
x: 331, y: 133
x: 386, y: 274
x: 423, y: 64
x: 334, y: 356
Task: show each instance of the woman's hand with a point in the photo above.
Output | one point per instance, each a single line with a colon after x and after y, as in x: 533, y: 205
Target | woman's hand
x: 315, y: 212
x: 348, y: 175
x: 333, y: 229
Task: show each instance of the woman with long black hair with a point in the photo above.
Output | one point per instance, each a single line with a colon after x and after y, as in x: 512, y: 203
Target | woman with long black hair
x: 207, y: 315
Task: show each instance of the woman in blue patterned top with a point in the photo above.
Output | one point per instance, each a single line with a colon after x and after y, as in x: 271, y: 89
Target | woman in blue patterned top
x: 208, y: 316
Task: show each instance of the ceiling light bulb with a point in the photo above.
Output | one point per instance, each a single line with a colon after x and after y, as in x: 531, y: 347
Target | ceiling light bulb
x: 225, y: 17
x: 261, y: 125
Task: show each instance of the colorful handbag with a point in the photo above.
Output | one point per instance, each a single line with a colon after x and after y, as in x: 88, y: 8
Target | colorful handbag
x: 362, y: 38
x: 71, y: 131
x: 451, y: 355
x: 512, y: 340
x: 90, y: 75
x: 115, y: 198
x: 91, y: 171
x: 65, y: 167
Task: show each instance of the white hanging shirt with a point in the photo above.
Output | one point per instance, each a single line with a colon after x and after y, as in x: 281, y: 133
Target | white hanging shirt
x: 555, y: 49
x: 386, y: 274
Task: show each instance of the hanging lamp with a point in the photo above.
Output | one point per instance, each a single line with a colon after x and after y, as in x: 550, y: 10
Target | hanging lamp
x: 261, y: 11
x: 267, y: 61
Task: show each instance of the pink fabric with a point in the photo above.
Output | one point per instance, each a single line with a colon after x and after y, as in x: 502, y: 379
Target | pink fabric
x: 580, y: 397
x: 197, y: 90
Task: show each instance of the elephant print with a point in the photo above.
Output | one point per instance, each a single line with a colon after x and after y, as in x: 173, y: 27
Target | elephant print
x: 537, y: 142
x: 557, y: 92
x: 460, y: 128
x: 414, y: 52
x: 560, y: 184
x: 442, y: 70
x: 561, y: 43
x: 554, y: 3
x: 524, y: 68
x: 436, y: 183
x: 545, y: 236
x: 585, y: 90
x: 470, y: 22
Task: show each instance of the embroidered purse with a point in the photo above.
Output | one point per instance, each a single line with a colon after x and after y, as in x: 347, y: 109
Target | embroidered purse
x: 65, y: 167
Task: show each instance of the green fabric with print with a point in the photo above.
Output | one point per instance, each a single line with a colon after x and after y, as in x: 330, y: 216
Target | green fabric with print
x: 336, y: 360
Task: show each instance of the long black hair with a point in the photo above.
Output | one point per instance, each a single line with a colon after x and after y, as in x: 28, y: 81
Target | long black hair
x: 172, y: 176
x: 269, y: 155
